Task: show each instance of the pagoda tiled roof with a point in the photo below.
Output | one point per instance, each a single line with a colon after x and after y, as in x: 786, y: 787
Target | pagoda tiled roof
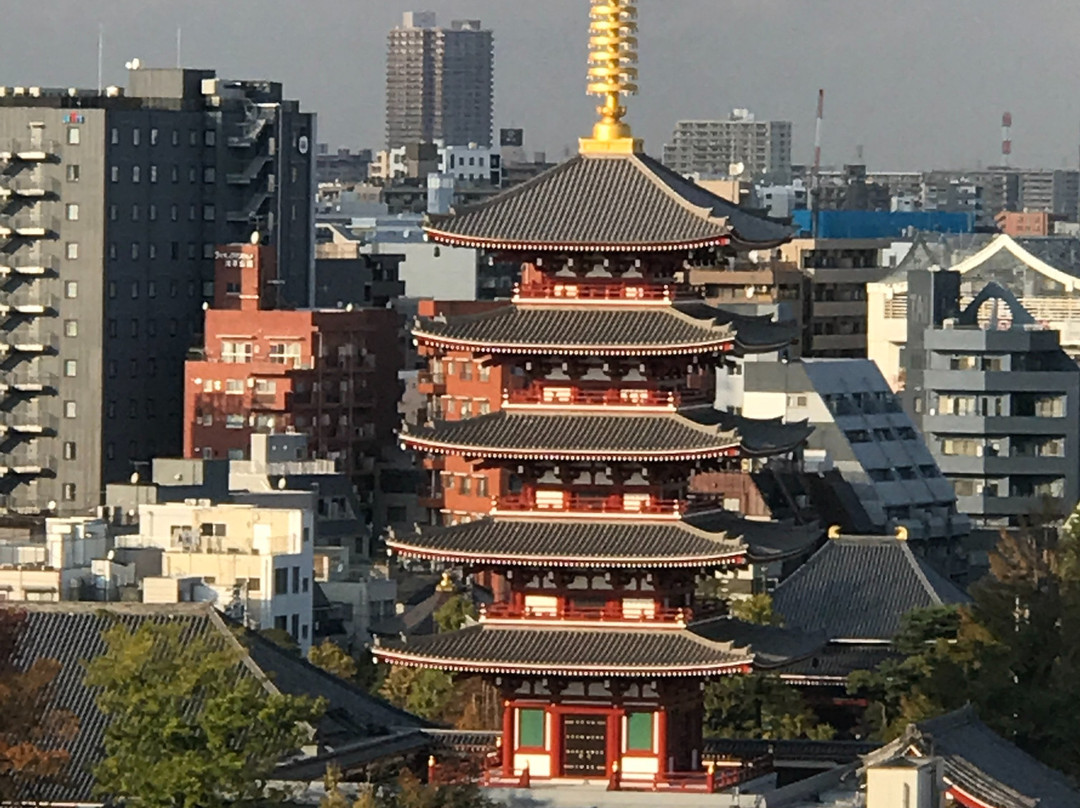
x: 689, y: 434
x: 682, y: 328
x: 582, y: 651
x: 608, y: 544
x: 624, y: 202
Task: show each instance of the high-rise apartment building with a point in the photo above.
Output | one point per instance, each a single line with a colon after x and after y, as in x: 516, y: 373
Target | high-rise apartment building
x: 439, y: 82
x: 740, y: 145
x: 110, y: 206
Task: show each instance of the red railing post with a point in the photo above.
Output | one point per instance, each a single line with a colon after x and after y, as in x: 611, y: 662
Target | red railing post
x: 432, y: 770
x: 525, y: 781
x: 710, y: 777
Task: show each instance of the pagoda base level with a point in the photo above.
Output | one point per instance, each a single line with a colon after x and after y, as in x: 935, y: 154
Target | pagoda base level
x: 644, y: 733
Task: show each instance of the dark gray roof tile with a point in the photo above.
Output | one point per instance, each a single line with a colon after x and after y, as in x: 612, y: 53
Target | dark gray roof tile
x: 565, y: 330
x: 859, y: 588
x: 581, y: 651
x: 610, y: 202
x: 586, y: 543
x: 691, y: 433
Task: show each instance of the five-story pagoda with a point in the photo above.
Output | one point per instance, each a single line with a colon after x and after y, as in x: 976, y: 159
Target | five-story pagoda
x: 570, y: 423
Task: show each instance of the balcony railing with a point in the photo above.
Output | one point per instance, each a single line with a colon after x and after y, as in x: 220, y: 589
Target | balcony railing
x: 590, y: 290
x: 430, y: 383
x: 612, y: 613
x: 546, y: 395
x: 629, y: 504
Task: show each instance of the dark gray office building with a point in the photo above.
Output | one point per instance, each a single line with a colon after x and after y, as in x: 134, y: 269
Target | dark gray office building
x: 440, y: 82
x: 111, y: 205
x: 997, y: 399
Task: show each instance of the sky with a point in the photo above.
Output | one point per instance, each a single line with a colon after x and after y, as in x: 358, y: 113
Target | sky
x: 917, y: 84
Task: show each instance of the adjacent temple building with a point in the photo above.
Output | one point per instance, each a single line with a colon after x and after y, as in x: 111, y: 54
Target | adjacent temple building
x: 569, y: 423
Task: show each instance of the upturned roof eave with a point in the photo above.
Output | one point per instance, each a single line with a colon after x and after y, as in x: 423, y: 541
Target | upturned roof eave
x: 452, y: 239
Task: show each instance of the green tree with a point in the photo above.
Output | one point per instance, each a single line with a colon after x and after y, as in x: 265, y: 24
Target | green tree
x: 189, y: 725
x: 455, y: 613
x: 333, y: 659
x: 425, y: 692
x: 282, y: 639
x: 405, y: 791
x: 757, y: 609
x: 760, y: 706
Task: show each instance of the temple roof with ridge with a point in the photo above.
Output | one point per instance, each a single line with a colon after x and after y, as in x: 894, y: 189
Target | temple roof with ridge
x: 608, y: 203
x: 607, y: 436
x: 698, y: 540
x: 682, y: 328
x: 593, y: 652
x: 714, y: 647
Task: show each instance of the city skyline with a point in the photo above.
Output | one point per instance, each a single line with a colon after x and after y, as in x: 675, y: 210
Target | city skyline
x: 896, y: 77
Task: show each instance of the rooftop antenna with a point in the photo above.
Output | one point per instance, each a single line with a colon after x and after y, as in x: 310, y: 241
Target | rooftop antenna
x: 179, y: 46
x: 815, y: 177
x: 100, y: 57
x: 1006, y: 138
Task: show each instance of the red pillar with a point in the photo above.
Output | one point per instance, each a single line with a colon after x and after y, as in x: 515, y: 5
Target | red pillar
x: 556, y: 743
x: 614, y: 738
x: 508, y: 740
x: 661, y: 744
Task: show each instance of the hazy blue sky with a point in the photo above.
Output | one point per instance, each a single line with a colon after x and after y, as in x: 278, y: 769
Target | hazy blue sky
x: 918, y: 83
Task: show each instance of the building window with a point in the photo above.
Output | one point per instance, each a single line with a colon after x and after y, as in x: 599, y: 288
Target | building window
x: 176, y: 137
x: 175, y: 172
x: 152, y: 213
x: 136, y: 174
x: 281, y: 581
x: 296, y: 580
x: 531, y: 729
x: 639, y: 732
x: 74, y: 137
x: 153, y: 136
x: 112, y: 289
x: 209, y: 137
x: 73, y: 173
x: 234, y: 387
x: 208, y: 213
x: 71, y: 328
x: 265, y: 387
x: 69, y: 492
x: 114, y: 136
x: 136, y: 136
x: 134, y: 251
x: 114, y: 174
x: 285, y: 353
x: 234, y: 420
x: 112, y: 250
x: 114, y: 213
x: 70, y: 410
x: 71, y: 368
x: 209, y: 175
x: 72, y: 250
x: 71, y: 290
x: 305, y: 584
x: 72, y: 212
x: 69, y: 450
x: 134, y: 213
x: 239, y: 353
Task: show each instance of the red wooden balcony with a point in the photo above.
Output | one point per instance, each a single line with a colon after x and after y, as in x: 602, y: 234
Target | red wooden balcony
x: 430, y: 384
x: 574, y: 290
x: 561, y: 396
x: 612, y: 613
x: 583, y: 504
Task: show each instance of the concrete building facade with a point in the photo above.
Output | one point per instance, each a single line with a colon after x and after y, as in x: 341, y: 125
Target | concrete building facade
x: 255, y: 564
x: 998, y: 404
x: 439, y: 82
x: 110, y: 204
x: 763, y: 148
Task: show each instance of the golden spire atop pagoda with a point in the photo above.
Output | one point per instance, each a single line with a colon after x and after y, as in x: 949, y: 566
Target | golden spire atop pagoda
x: 612, y: 74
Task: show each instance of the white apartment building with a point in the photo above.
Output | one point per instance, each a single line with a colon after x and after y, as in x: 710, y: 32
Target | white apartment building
x: 73, y: 561
x: 740, y: 145
x: 469, y: 163
x: 256, y: 564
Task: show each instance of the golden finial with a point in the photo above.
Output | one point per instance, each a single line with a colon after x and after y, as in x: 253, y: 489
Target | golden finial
x: 612, y: 74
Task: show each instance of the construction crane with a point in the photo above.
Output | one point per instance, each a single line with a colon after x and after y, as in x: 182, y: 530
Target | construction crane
x: 815, y: 176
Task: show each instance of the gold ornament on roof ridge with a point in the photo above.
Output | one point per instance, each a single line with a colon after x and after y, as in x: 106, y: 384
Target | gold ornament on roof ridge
x: 612, y: 74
